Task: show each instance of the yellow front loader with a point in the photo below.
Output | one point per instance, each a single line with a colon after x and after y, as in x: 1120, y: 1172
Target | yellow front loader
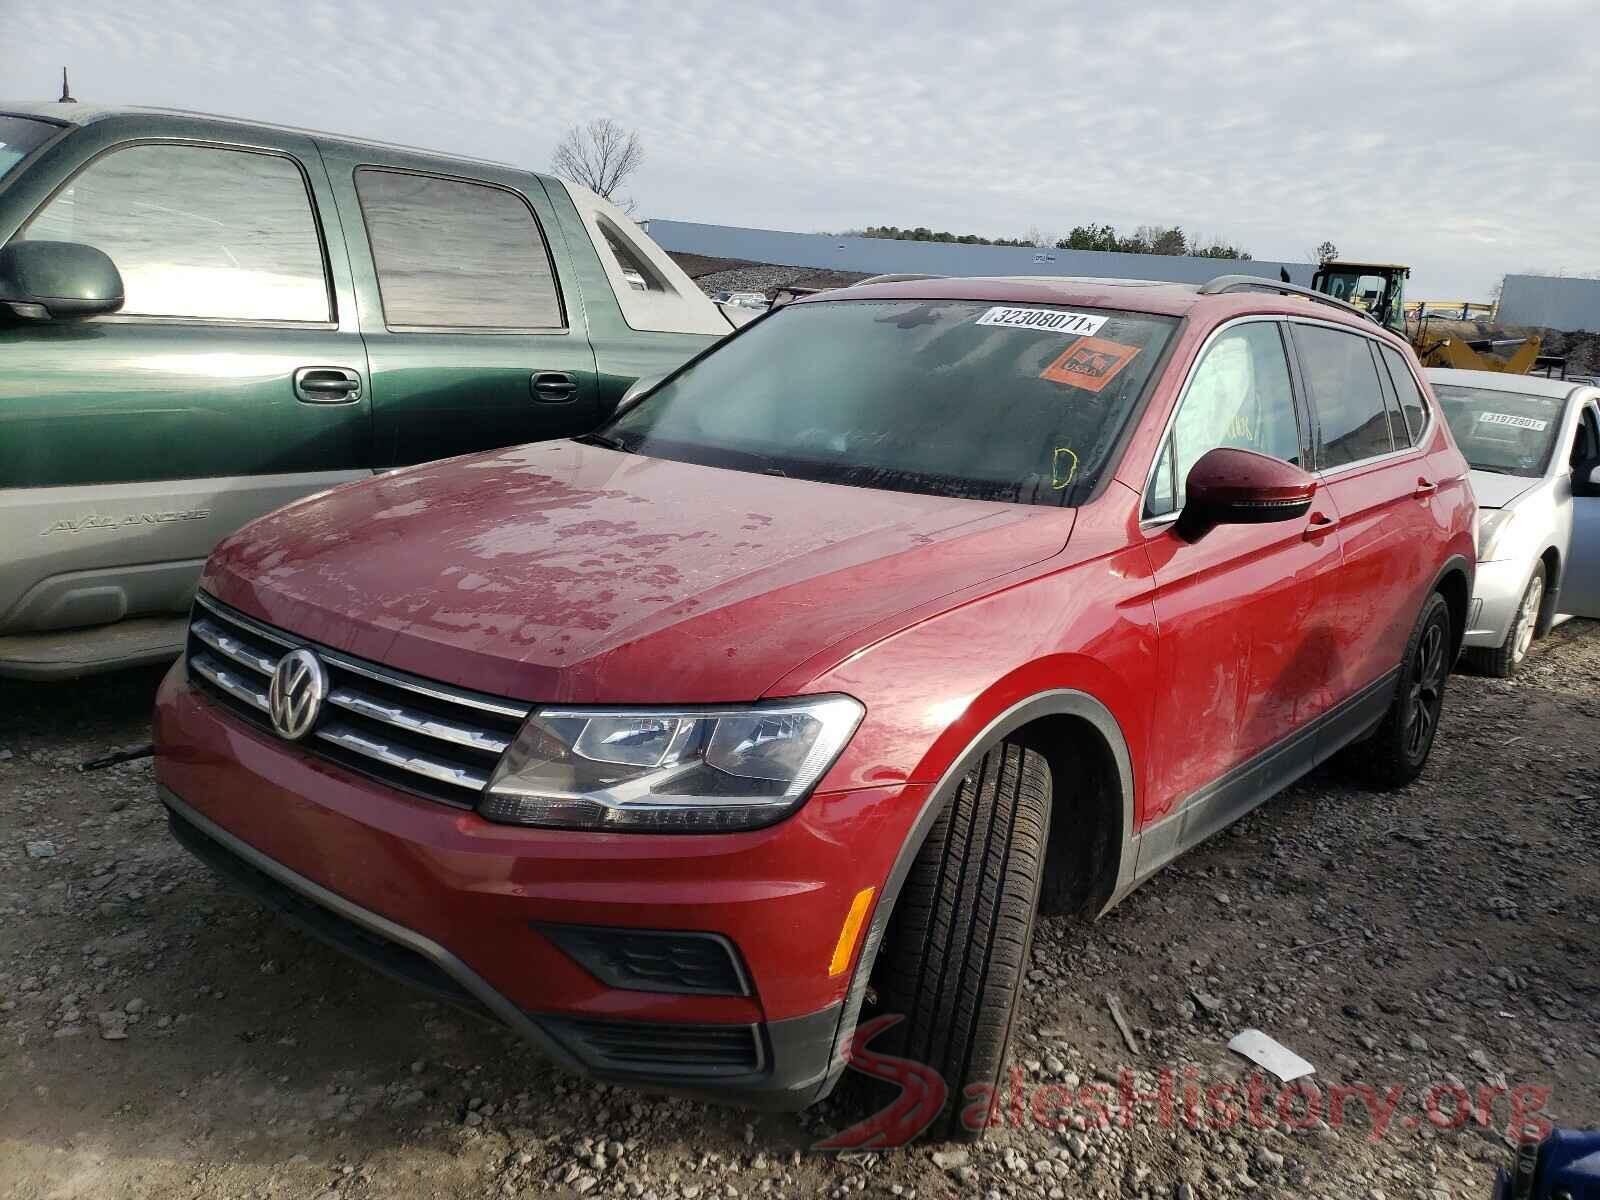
x: 1379, y: 288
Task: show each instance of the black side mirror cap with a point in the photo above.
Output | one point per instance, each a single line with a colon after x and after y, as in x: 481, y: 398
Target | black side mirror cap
x: 45, y: 281
x: 1586, y: 478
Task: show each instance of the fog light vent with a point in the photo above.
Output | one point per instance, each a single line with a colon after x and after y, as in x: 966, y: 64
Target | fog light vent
x: 651, y: 960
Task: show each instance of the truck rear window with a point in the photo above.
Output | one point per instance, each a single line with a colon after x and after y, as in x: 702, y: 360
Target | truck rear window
x: 20, y: 137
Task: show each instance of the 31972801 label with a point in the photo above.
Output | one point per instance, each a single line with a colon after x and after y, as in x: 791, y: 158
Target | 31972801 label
x: 1516, y: 422
x: 1047, y: 320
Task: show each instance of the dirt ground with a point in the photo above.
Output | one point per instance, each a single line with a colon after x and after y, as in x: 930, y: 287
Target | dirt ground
x: 161, y: 1036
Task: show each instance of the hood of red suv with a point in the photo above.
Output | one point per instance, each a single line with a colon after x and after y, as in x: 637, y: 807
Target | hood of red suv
x: 560, y: 572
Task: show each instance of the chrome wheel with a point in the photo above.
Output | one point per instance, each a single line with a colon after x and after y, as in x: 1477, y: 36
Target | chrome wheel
x: 1426, y: 695
x: 1527, y: 620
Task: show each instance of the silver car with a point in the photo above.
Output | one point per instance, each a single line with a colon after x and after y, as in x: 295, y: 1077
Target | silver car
x: 1534, y: 448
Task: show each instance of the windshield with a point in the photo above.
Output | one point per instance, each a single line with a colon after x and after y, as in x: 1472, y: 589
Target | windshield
x: 1509, y: 433
x: 966, y: 398
x: 20, y: 137
x: 1374, y: 293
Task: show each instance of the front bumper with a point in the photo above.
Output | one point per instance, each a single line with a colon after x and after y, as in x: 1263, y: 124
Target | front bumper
x: 462, y: 907
x: 1496, y: 593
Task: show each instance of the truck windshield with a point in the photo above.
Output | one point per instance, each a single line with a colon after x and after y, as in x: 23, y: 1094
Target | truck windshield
x: 20, y: 137
x: 1508, y: 433
x: 1021, y: 403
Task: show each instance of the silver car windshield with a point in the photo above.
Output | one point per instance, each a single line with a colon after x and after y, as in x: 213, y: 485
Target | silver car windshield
x: 1508, y: 433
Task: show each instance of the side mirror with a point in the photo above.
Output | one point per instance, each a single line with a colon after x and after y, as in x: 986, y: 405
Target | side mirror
x: 1241, y: 487
x: 635, y: 393
x: 47, y: 281
x: 1586, y: 478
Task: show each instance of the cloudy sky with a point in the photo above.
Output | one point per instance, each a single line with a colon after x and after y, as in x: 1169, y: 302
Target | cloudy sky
x: 1465, y: 142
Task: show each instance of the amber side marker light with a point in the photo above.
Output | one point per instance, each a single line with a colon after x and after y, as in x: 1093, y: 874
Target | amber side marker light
x: 851, y: 930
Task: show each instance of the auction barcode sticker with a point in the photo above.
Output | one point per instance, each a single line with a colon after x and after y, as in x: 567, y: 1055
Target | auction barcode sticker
x: 1050, y: 320
x: 1494, y: 418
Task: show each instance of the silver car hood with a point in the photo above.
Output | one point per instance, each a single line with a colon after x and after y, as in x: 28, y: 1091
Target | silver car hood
x: 1496, y: 491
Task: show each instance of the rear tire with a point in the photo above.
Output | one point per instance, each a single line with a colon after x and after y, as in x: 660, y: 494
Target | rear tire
x: 1398, y: 750
x: 962, y: 928
x: 1504, y: 660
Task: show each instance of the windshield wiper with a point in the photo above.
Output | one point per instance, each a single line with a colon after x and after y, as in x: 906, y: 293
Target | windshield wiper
x: 603, y: 439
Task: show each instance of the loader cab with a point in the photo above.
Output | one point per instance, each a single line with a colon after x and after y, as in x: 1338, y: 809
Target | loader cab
x: 1379, y: 288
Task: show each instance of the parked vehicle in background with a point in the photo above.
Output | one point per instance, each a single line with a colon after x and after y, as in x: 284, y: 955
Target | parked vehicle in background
x: 202, y: 319
x: 740, y: 308
x: 742, y: 299
x: 1534, y: 447
x: 905, y: 610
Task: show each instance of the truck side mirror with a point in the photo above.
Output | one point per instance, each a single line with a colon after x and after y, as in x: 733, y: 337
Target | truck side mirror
x: 50, y: 281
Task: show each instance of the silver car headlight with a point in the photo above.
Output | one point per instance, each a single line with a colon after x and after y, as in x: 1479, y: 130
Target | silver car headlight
x: 685, y: 770
x: 1494, y: 525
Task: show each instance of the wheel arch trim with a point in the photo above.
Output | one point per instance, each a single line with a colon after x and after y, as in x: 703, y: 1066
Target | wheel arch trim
x: 1058, y: 702
x: 1456, y: 564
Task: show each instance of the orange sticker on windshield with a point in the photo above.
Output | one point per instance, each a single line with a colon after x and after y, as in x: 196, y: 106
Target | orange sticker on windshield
x: 1089, y: 363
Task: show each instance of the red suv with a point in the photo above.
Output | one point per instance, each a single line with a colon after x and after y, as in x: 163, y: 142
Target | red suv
x: 905, y: 610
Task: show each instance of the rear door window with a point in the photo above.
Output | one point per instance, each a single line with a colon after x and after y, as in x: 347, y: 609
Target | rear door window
x: 1405, y: 386
x: 198, y: 231
x: 1398, y: 431
x: 454, y: 254
x: 1343, y: 381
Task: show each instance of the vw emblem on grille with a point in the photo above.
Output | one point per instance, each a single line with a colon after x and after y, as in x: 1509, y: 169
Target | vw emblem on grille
x: 299, y: 686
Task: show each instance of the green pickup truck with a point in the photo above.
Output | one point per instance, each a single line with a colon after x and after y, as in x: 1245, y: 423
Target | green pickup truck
x: 203, y: 319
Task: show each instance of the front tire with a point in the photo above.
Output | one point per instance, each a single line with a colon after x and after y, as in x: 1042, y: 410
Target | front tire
x: 961, y: 931
x: 1504, y: 660
x: 1398, y: 750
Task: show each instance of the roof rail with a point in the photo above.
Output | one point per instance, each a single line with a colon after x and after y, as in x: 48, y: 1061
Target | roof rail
x: 897, y: 277
x: 1259, y: 283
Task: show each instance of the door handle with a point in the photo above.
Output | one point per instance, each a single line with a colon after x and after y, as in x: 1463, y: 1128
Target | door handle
x: 327, y: 385
x: 1425, y: 488
x: 1320, y: 526
x: 553, y: 387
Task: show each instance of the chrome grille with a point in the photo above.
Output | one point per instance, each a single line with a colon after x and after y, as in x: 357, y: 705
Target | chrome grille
x: 425, y: 737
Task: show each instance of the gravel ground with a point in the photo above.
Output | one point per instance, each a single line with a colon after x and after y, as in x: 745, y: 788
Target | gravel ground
x: 161, y: 1036
x: 767, y: 279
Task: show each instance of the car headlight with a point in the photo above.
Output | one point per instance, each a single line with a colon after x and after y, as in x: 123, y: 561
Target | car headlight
x: 1494, y: 524
x: 681, y: 770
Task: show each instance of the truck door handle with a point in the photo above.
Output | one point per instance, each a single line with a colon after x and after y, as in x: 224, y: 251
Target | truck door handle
x: 1321, y: 525
x: 1425, y: 488
x: 553, y: 387
x: 327, y: 385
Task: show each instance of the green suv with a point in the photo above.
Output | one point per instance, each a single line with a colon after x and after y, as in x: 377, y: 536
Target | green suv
x: 203, y: 319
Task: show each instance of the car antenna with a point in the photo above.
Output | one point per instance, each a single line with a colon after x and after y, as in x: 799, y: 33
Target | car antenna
x: 66, y: 93
x: 1283, y: 275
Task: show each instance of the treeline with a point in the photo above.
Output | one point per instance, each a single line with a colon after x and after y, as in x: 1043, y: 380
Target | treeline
x: 923, y: 234
x: 1146, y: 239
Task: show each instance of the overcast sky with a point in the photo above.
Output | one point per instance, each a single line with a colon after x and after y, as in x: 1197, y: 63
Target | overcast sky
x: 1465, y: 142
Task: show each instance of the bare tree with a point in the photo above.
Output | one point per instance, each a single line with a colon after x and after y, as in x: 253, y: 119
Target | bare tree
x: 599, y: 155
x: 1324, y: 253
